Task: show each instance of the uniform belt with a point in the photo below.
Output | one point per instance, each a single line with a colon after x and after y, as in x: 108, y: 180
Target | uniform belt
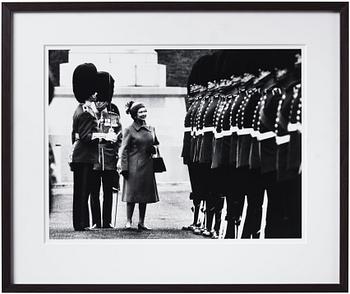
x: 218, y: 135
x: 294, y: 127
x: 208, y: 129
x: 187, y: 129
x: 246, y: 131
x: 254, y: 133
x: 227, y: 133
x: 194, y: 131
x: 200, y: 132
x: 265, y: 136
x: 233, y: 129
x: 282, y: 139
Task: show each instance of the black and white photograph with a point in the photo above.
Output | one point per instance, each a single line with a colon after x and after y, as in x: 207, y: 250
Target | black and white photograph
x: 184, y: 142
x: 175, y: 147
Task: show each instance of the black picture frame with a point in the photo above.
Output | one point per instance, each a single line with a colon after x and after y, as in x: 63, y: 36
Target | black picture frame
x: 8, y: 10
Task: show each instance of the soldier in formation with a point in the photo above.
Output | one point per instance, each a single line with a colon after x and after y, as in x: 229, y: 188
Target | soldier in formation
x: 242, y: 140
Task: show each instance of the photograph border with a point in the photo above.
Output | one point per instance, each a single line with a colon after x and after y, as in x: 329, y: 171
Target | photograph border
x: 8, y: 10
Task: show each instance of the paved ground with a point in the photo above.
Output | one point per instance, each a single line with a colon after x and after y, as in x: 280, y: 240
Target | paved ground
x: 166, y: 218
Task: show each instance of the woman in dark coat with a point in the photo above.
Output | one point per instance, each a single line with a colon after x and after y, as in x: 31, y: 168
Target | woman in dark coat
x: 84, y: 141
x: 105, y: 169
x: 139, y: 141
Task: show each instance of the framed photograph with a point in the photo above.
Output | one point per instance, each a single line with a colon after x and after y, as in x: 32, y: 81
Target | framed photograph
x: 175, y: 147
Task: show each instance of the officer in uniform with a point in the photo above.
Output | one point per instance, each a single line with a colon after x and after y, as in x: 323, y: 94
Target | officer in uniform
x: 105, y: 169
x: 251, y: 156
x: 219, y: 168
x: 232, y: 181
x: 194, y: 98
x: 290, y: 114
x: 269, y: 120
x: 287, y: 223
x: 294, y: 165
x: 206, y: 125
x: 191, y: 142
x: 239, y: 173
x: 85, y: 145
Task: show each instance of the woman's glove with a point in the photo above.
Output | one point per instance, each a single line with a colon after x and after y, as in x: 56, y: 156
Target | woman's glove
x: 119, y: 167
x: 125, y: 174
x: 151, y: 150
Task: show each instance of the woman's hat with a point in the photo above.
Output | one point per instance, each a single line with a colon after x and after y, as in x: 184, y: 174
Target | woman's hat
x: 132, y: 108
x: 84, y: 81
x: 104, y: 87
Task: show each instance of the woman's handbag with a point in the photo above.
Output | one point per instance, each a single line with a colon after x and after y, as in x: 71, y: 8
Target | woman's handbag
x: 158, y: 162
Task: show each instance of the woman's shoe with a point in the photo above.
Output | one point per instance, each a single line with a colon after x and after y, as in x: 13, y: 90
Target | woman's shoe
x: 214, y: 235
x: 127, y: 226
x: 142, y: 228
x: 188, y: 228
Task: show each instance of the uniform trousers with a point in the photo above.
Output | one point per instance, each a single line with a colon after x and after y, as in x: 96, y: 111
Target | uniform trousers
x: 215, y: 201
x: 107, y: 178
x: 283, y: 219
x: 195, y: 180
x: 82, y: 175
x: 256, y: 185
x: 283, y: 216
x: 234, y: 200
x: 204, y: 181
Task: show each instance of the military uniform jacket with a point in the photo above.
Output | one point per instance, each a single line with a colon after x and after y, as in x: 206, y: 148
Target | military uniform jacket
x: 254, y: 153
x: 268, y: 147
x: 233, y: 122
x: 186, y: 145
x: 222, y: 144
x: 257, y: 102
x: 108, y: 151
x: 294, y: 151
x: 199, y: 126
x: 283, y: 136
x: 244, y: 138
x: 193, y: 136
x: 206, y: 147
x: 217, y: 159
x: 84, y: 125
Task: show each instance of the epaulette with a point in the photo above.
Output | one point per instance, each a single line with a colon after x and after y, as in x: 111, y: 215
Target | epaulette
x: 85, y: 108
x: 88, y: 109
